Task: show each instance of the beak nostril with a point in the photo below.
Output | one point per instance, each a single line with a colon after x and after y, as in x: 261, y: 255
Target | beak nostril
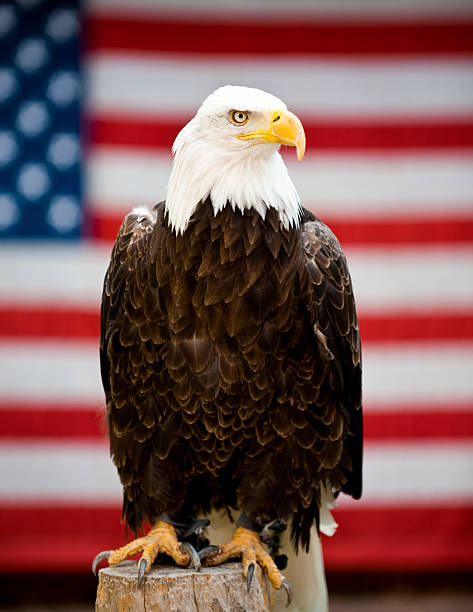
x: 276, y: 118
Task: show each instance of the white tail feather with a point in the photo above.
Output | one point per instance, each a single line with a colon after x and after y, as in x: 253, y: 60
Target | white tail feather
x: 328, y: 525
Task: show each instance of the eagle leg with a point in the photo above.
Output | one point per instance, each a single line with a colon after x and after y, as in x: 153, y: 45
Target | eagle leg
x: 162, y: 538
x: 246, y: 544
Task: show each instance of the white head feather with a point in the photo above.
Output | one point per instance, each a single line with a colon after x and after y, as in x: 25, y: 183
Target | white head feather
x: 209, y: 160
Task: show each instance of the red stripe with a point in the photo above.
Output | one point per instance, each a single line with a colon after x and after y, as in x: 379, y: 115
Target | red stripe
x: 20, y: 321
x: 327, y: 37
x: 446, y: 423
x: 403, y: 231
x: 65, y: 538
x: 411, y: 326
x: 24, y: 322
x: 322, y: 134
x: 391, y: 231
x: 42, y: 422
x: 57, y: 538
x: 144, y: 132
x: 401, y: 538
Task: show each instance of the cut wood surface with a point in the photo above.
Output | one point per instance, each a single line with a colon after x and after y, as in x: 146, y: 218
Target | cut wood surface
x: 174, y: 589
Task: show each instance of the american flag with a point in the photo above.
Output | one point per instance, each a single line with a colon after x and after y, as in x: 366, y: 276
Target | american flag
x: 91, y: 98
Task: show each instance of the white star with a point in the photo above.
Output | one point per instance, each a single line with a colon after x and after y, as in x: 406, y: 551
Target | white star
x: 7, y: 20
x: 9, y: 211
x: 64, y: 150
x: 33, y: 181
x: 64, y: 214
x: 32, y: 118
x: 8, y: 83
x: 8, y: 147
x: 63, y: 88
x: 62, y: 25
x: 27, y: 4
x: 31, y: 54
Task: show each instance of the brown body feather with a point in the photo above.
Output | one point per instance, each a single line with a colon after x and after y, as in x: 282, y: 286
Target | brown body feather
x: 231, y: 364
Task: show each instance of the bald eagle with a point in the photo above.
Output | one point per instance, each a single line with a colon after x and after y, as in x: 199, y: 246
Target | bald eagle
x: 230, y: 350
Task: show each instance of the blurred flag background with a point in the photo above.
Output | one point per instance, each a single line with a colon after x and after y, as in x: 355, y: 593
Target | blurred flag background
x: 91, y: 98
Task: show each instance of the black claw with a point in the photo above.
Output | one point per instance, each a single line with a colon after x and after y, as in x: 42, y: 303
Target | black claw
x: 249, y: 576
x: 195, y: 559
x: 105, y: 554
x: 208, y: 551
x: 288, y: 588
x: 141, y: 569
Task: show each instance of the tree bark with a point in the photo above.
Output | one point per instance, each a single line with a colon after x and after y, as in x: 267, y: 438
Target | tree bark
x: 174, y: 589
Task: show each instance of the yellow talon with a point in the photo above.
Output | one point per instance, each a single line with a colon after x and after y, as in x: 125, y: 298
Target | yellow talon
x: 247, y: 545
x: 162, y: 538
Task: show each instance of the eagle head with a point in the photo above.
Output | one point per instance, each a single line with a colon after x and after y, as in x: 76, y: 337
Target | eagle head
x: 229, y: 152
x: 242, y: 119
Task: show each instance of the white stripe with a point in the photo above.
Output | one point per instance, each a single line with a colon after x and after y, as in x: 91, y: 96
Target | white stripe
x: 276, y: 10
x: 412, y: 278
x: 405, y: 184
x: 417, y: 473
x: 439, y: 373
x: 435, y: 373
x: 51, y: 273
x: 383, y: 279
x: 119, y: 180
x: 52, y: 371
x: 84, y: 472
x: 160, y: 85
x: 335, y: 185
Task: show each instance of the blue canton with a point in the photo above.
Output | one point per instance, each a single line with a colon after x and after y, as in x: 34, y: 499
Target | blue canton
x: 40, y: 91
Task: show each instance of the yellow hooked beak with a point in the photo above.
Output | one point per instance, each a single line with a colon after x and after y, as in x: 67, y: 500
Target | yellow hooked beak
x: 285, y: 128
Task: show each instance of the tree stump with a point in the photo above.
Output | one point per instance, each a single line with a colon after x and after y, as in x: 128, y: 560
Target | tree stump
x: 173, y: 589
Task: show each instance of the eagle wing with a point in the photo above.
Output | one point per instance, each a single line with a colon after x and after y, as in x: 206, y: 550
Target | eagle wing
x: 128, y: 250
x: 131, y: 322
x: 335, y: 325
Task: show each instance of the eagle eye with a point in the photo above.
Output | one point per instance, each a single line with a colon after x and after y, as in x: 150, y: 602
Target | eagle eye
x: 239, y: 117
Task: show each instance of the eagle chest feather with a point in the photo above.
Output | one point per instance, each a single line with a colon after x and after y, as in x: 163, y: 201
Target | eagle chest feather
x: 232, y: 286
